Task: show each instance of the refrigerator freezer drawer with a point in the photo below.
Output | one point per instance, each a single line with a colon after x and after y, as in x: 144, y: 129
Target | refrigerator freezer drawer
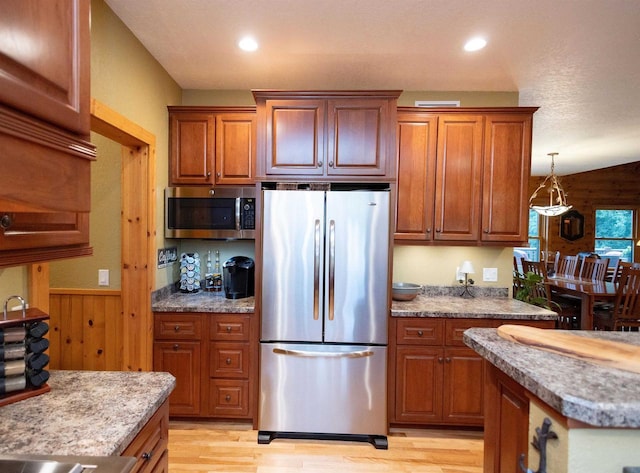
x: 323, y: 389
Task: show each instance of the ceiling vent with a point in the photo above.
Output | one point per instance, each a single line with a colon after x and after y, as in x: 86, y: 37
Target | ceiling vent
x: 437, y: 103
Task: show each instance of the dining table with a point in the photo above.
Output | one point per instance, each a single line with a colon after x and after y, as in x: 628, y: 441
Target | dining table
x: 587, y: 290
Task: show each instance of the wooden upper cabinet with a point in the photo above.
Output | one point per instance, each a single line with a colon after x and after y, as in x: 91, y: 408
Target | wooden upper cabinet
x: 326, y: 135
x: 235, y: 148
x: 295, y: 137
x: 463, y: 175
x: 417, y: 137
x: 458, y: 178
x: 212, y: 145
x: 45, y: 197
x: 507, y: 165
x: 45, y: 60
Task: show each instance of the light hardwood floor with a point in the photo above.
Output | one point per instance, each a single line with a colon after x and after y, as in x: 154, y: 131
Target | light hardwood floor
x: 200, y: 447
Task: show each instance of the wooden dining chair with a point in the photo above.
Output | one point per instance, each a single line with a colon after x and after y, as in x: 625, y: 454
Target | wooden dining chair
x: 625, y: 313
x: 536, y: 267
x: 594, y: 268
x: 567, y: 266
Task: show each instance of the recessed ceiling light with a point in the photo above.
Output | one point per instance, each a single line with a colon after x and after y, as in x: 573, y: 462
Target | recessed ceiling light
x: 475, y: 44
x: 248, y: 44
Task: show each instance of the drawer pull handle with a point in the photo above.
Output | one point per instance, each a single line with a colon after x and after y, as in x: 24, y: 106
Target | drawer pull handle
x: 176, y: 328
x: 228, y: 328
x: 227, y: 398
x: 176, y: 346
x: 420, y: 333
x: 228, y: 361
x: 146, y: 456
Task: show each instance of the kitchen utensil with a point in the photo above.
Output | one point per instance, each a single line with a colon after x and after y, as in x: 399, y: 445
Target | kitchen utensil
x: 405, y: 291
x: 601, y: 352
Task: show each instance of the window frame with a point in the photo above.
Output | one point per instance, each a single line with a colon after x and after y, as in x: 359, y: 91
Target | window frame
x: 635, y: 231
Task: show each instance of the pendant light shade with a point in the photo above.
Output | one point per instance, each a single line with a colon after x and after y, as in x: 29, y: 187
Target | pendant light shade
x: 557, y: 197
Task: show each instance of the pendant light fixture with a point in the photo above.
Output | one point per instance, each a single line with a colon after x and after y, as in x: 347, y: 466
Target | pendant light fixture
x: 557, y: 197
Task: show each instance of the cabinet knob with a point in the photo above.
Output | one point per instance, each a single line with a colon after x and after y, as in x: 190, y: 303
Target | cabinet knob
x: 5, y: 221
x: 486, y: 231
x: 176, y: 346
x: 428, y: 230
x: 176, y: 328
x: 228, y: 361
x: 208, y: 173
x: 330, y: 164
x: 146, y: 456
x: 228, y: 328
x: 227, y: 398
x: 319, y: 164
x: 218, y: 174
x: 420, y: 333
x: 440, y: 359
x: 438, y: 230
x: 447, y: 359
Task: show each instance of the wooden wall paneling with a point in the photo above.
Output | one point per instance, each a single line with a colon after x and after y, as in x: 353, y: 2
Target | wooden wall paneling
x: 612, y: 186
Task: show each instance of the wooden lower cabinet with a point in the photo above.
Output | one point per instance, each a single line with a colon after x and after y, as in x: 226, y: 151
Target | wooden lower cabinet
x: 434, y: 378
x: 507, y: 422
x: 211, y: 357
x: 149, y: 447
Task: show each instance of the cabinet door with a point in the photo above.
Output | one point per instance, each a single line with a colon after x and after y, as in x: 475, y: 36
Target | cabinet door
x: 182, y: 360
x: 418, y: 385
x: 44, y: 60
x: 235, y: 148
x: 192, y: 144
x: 463, y: 387
x: 417, y: 141
x: 507, y: 163
x: 42, y: 230
x: 357, y: 132
x: 458, y: 178
x: 295, y: 137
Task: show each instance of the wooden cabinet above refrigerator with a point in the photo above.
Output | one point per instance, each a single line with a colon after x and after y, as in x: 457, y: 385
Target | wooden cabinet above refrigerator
x: 44, y: 131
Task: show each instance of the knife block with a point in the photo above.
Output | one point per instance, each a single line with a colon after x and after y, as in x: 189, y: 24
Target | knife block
x: 23, y: 319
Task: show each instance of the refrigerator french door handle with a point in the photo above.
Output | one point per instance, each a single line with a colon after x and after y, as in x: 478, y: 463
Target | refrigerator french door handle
x: 332, y: 266
x: 316, y: 272
x: 320, y: 354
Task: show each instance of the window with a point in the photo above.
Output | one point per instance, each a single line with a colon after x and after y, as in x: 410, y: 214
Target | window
x: 614, y: 233
x: 531, y: 252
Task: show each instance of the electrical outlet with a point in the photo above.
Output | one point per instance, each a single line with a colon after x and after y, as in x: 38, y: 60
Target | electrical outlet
x: 103, y: 277
x: 490, y: 274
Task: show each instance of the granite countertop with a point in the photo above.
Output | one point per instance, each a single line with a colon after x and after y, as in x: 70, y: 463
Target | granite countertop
x: 477, y: 307
x: 593, y: 394
x: 95, y: 413
x: 203, y: 302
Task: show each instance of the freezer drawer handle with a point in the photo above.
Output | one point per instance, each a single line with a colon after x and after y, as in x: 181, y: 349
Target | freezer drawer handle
x: 319, y: 354
x: 316, y: 272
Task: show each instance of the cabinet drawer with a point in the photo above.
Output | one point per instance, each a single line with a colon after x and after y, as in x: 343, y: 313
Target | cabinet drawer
x: 174, y: 327
x: 228, y: 397
x: 454, y: 328
x: 419, y: 331
x: 150, y: 444
x: 230, y: 328
x: 229, y: 360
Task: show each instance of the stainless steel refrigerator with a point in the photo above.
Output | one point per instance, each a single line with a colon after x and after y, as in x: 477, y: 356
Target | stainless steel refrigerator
x: 324, y: 315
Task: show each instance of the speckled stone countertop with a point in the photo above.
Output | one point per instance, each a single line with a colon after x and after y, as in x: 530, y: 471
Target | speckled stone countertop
x: 94, y: 413
x: 596, y: 395
x: 203, y: 302
x: 477, y: 307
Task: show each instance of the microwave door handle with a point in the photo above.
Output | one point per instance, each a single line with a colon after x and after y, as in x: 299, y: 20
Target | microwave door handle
x: 316, y: 272
x: 238, y: 205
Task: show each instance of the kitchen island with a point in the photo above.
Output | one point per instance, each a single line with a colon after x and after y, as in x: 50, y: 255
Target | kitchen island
x: 96, y: 413
x: 594, y: 410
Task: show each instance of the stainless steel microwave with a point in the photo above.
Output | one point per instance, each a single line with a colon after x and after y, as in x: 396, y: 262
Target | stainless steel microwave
x: 204, y: 212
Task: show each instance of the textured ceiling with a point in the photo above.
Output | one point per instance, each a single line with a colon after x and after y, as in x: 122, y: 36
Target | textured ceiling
x: 578, y: 60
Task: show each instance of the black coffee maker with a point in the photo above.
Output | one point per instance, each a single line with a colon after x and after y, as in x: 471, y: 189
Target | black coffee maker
x: 238, y: 277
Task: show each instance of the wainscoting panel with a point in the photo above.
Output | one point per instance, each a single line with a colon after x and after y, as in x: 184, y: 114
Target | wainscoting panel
x: 86, y: 329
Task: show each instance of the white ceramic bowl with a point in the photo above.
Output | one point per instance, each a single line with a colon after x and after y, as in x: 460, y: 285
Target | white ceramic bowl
x: 405, y: 291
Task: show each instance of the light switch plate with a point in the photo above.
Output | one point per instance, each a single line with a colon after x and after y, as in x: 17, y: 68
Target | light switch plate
x: 490, y: 274
x: 103, y: 277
